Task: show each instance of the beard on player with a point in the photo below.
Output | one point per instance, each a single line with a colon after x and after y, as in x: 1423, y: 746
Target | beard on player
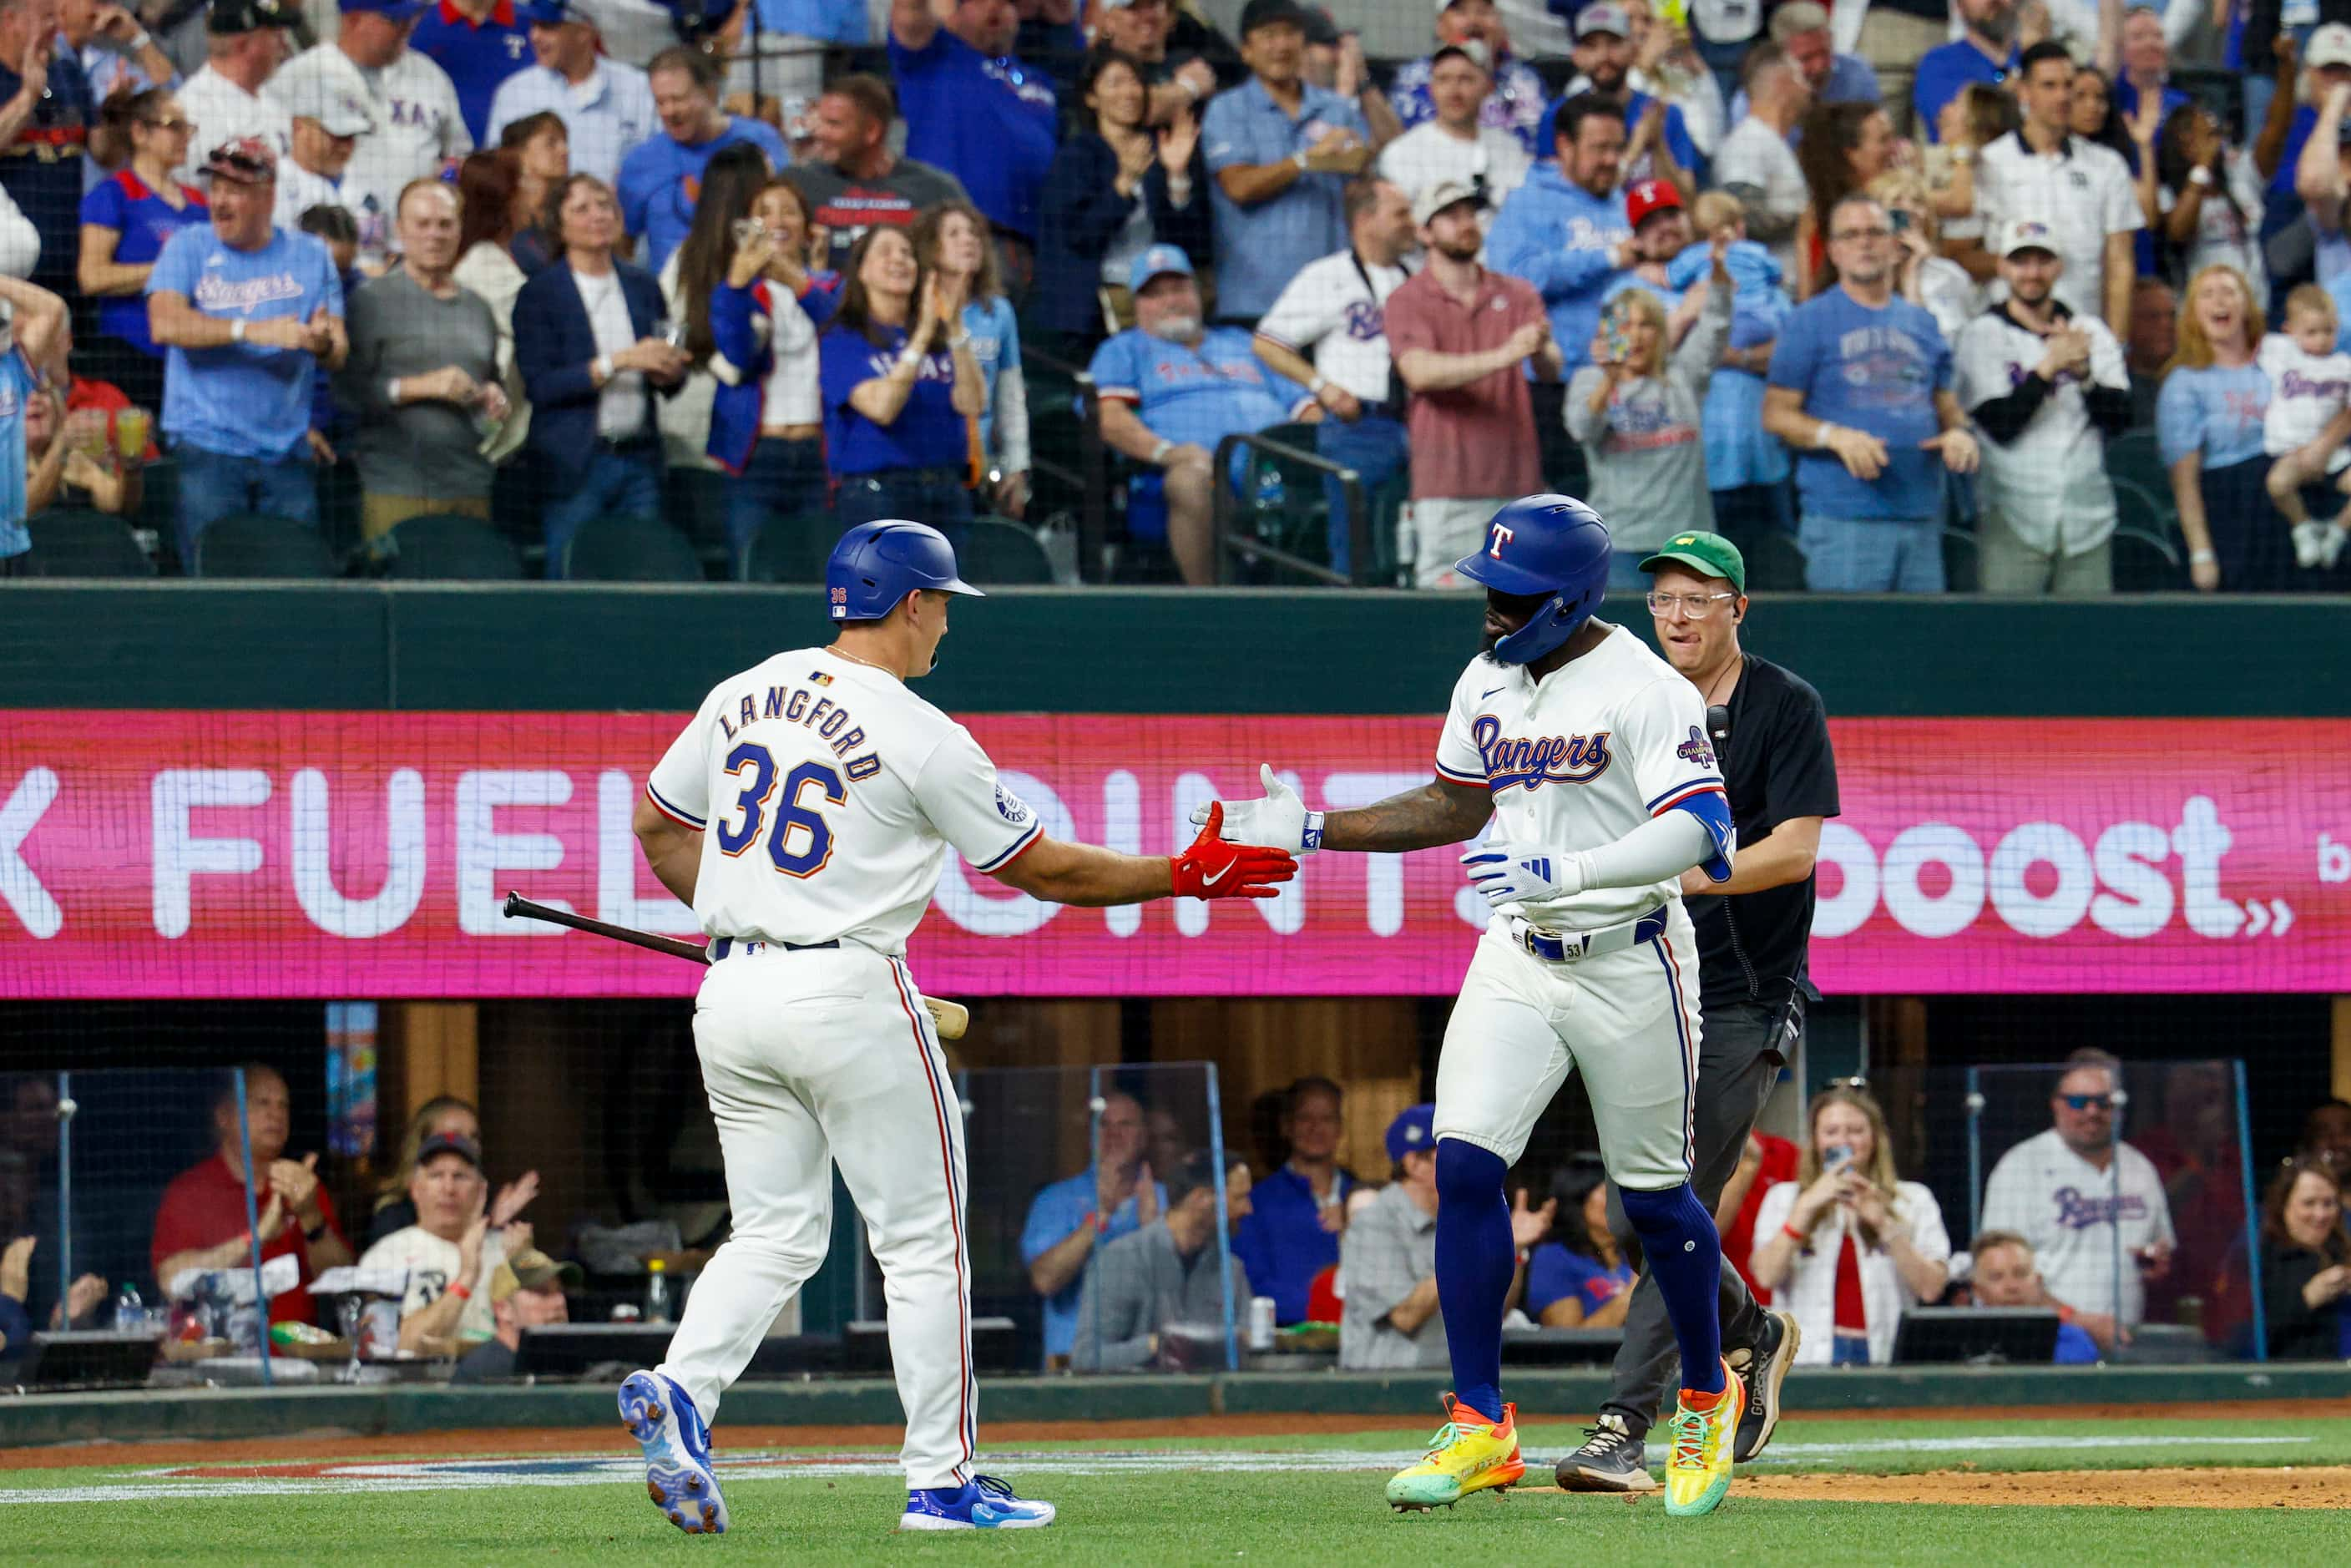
x: 1506, y: 614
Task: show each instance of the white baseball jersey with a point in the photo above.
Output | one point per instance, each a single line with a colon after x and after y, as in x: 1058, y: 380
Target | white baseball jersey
x: 417, y: 120
x: 1581, y: 759
x: 829, y: 794
x: 1335, y: 309
x: 2084, y: 193
x: 2071, y: 1211
x: 2306, y: 392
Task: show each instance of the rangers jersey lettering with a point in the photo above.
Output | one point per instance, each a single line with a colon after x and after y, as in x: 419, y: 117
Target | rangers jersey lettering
x: 1580, y: 758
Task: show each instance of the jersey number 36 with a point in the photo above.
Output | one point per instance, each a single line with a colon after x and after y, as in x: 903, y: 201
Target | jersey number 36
x: 803, y: 855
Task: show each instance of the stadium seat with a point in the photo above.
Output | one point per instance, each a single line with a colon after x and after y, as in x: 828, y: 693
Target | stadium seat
x: 1775, y: 564
x: 2134, y: 458
x: 631, y: 550
x: 80, y: 542
x: 1007, y: 553
x: 451, y: 548
x: 789, y: 549
x: 251, y: 545
x: 1960, y: 574
x: 2146, y: 561
x: 694, y: 499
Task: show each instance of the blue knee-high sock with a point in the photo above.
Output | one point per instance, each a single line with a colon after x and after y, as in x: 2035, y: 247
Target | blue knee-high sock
x: 1475, y: 1260
x: 1685, y: 1253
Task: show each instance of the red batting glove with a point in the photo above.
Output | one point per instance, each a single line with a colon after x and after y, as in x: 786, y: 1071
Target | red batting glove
x: 1212, y: 868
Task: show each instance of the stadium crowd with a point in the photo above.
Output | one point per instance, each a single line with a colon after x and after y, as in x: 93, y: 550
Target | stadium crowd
x: 1127, y: 1272
x: 2106, y: 1233
x: 1869, y: 291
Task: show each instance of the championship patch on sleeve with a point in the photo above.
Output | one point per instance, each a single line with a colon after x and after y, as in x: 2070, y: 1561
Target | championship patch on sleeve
x: 1696, y: 750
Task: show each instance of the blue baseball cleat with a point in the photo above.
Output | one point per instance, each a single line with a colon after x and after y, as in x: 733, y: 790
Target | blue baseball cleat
x: 679, y: 1475
x: 986, y: 1503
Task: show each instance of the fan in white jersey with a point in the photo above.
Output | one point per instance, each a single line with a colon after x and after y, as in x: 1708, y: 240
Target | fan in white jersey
x: 1591, y: 754
x: 2308, y: 419
x: 805, y: 813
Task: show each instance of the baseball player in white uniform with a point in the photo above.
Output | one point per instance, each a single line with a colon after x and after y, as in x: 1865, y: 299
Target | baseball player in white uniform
x: 1591, y: 752
x: 805, y: 813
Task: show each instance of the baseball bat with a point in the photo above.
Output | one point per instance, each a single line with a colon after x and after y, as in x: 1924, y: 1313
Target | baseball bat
x: 950, y: 1018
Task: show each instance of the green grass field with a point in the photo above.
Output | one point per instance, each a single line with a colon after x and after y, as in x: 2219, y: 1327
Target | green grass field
x: 1186, y: 1501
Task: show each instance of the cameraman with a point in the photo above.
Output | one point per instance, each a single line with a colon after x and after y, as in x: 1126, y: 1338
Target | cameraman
x: 1754, y: 941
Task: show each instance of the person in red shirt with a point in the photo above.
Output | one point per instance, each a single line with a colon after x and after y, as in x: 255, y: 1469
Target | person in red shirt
x: 202, y: 1224
x: 1767, y: 1161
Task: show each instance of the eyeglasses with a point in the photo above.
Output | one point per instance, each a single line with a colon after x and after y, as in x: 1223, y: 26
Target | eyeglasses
x: 2087, y: 1102
x: 1696, y: 606
x: 1847, y: 236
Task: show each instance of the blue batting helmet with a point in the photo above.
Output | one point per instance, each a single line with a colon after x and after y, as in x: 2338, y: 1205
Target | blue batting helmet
x: 1553, y: 544
x: 877, y: 564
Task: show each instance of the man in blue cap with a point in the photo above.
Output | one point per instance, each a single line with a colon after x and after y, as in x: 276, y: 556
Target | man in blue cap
x: 1387, y: 1264
x: 605, y: 105
x: 1172, y: 387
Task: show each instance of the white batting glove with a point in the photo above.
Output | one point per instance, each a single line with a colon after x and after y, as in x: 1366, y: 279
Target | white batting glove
x: 1280, y: 821
x: 1523, y: 873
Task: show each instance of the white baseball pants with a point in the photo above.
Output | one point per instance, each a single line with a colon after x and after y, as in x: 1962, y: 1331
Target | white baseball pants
x: 1628, y: 1021
x: 810, y: 1058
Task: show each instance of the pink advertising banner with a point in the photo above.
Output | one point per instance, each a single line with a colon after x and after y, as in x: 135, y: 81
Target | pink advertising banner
x: 341, y: 856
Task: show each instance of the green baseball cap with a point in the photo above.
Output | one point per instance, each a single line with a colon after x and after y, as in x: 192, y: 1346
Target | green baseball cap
x: 1710, y: 553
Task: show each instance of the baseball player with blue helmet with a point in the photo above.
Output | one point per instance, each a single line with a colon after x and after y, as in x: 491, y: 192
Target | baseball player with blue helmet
x: 805, y: 814
x: 1589, y: 753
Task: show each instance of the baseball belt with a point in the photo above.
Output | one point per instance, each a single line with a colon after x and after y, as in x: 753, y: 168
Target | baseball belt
x: 1573, y: 946
x: 728, y: 947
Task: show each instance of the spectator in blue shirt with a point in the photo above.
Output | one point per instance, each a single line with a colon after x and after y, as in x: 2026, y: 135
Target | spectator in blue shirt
x: 2006, y: 1276
x: 1280, y: 151
x: 2208, y: 426
x: 1075, y: 1218
x: 249, y: 313
x: 125, y: 219
x: 1564, y: 230
x: 976, y: 112
x: 951, y: 240
x: 1984, y: 52
x: 479, y: 43
x: 659, y: 180
x: 1292, y: 1232
x: 793, y: 37
x: 1171, y: 390
x: 1658, y: 145
x: 32, y: 320
x: 1579, y: 1278
x: 901, y: 390
x: 1860, y: 387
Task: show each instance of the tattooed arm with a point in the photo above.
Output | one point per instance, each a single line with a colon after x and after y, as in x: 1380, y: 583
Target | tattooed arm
x: 1439, y: 812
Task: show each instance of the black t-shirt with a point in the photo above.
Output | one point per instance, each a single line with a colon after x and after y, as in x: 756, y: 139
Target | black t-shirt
x: 1753, y: 947
x: 848, y: 208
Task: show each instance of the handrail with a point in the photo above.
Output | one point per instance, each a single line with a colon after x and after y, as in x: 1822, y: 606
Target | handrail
x: 1351, y: 483
x: 1094, y: 461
